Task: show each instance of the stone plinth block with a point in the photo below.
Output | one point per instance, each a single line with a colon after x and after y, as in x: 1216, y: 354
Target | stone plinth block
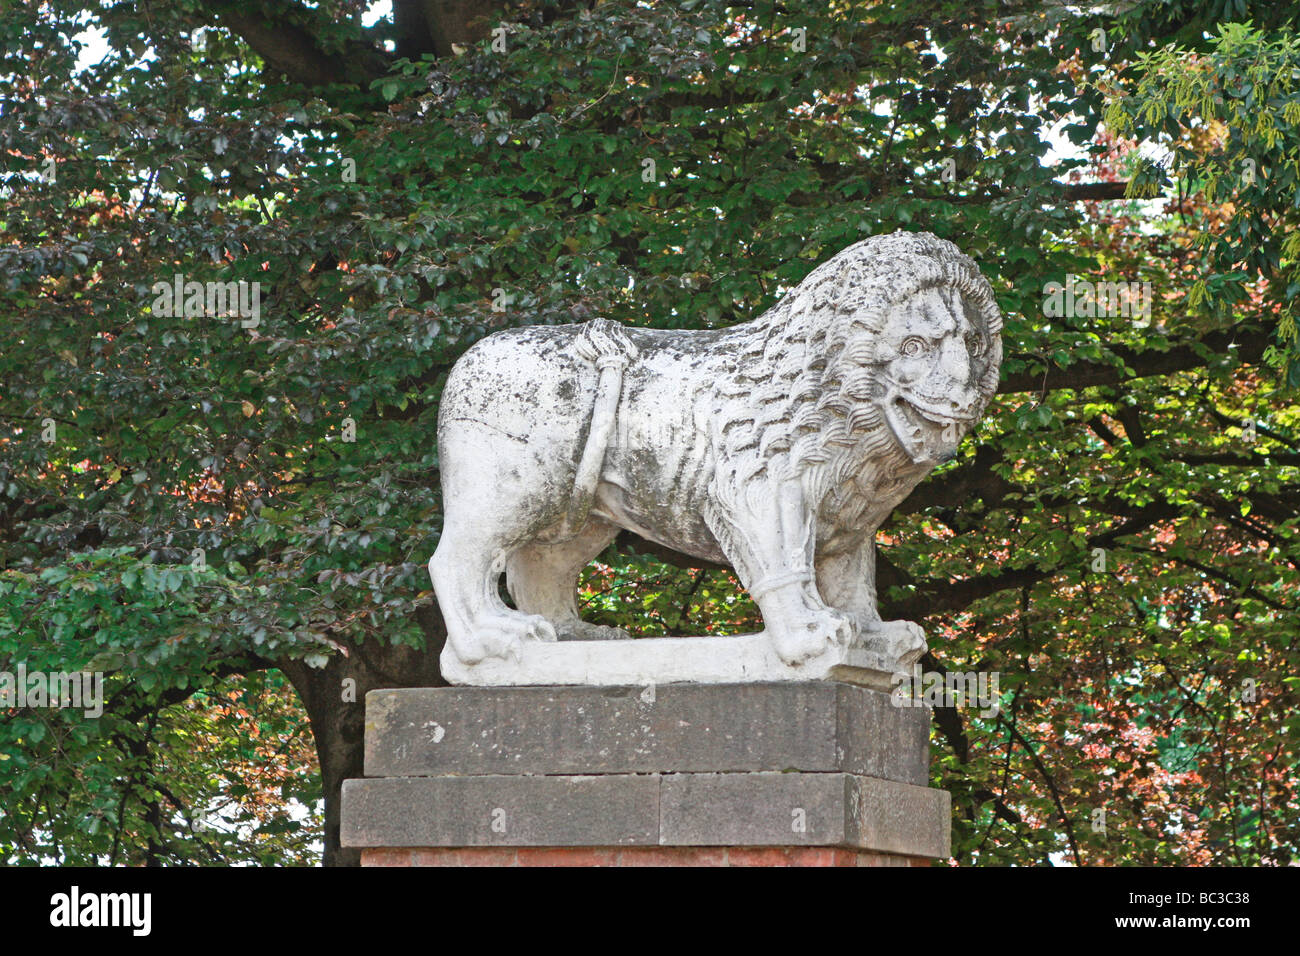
x: 501, y: 811
x: 818, y: 773
x: 817, y: 809
x: 736, y: 809
x: 821, y: 727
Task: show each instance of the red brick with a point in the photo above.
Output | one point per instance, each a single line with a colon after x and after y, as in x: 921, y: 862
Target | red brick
x: 567, y: 856
x: 792, y: 856
x: 757, y: 856
x: 464, y: 856
x: 439, y: 856
x: 386, y: 856
x: 673, y: 856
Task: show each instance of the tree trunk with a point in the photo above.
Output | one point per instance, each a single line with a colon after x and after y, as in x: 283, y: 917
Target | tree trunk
x: 459, y: 21
x: 337, y: 711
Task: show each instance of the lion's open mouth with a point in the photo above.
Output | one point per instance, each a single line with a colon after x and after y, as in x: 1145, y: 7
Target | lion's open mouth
x: 920, y: 427
x: 935, y: 411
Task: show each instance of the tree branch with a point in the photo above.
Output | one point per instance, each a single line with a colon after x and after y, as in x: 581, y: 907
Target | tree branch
x: 1235, y: 346
x: 937, y: 597
x: 278, y: 35
x: 1093, y: 191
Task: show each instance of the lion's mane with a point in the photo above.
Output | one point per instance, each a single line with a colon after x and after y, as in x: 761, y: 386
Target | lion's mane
x: 788, y: 408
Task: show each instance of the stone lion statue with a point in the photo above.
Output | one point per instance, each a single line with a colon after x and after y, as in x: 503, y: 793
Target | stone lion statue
x: 776, y: 447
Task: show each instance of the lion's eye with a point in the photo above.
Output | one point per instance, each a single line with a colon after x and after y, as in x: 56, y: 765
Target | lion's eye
x: 913, y: 346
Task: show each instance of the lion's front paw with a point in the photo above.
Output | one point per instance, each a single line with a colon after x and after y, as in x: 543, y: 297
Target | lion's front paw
x: 803, y: 640
x: 901, y: 641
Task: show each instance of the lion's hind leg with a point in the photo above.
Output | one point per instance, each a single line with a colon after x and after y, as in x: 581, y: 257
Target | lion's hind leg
x: 542, y: 580
x: 465, y: 570
x: 483, y: 525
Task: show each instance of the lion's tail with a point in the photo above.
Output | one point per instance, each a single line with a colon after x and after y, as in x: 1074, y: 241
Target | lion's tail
x: 604, y: 344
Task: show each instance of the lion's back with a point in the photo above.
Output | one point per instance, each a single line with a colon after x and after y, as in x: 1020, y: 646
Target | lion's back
x: 526, y: 374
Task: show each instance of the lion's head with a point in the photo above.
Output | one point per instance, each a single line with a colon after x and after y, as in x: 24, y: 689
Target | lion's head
x: 927, y: 356
x: 890, y: 349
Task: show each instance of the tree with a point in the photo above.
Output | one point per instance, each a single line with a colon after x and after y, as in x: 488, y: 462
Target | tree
x: 196, y: 503
x: 1231, y: 114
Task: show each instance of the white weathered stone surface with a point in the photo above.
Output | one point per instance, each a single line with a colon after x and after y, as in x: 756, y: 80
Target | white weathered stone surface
x: 688, y: 809
x: 776, y: 447
x: 747, y: 658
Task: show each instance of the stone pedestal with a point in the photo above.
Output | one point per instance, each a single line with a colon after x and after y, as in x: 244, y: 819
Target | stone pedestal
x: 781, y: 774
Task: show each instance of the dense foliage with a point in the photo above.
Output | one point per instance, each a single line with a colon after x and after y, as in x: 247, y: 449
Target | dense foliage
x: 203, y: 507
